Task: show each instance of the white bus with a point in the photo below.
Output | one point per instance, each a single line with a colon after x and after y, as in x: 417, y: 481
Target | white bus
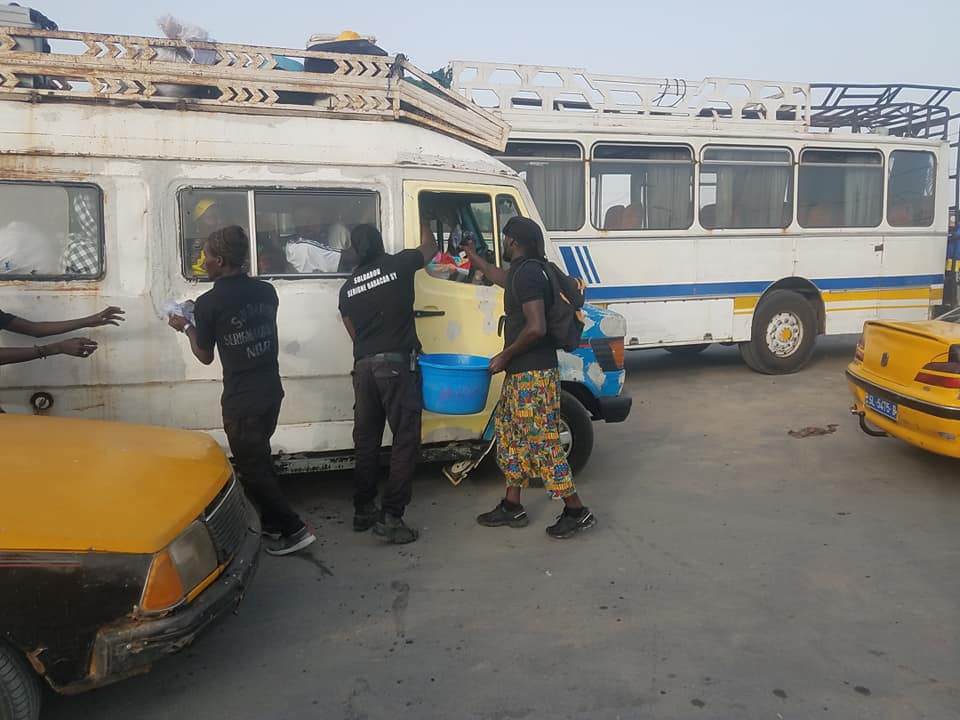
x: 717, y: 212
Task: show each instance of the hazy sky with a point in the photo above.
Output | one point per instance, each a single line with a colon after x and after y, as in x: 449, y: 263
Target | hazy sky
x: 803, y: 40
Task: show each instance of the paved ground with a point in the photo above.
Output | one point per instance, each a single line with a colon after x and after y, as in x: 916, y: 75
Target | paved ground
x: 736, y: 572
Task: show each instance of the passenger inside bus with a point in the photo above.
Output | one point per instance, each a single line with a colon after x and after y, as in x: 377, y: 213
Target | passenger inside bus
x: 445, y: 217
x: 613, y: 219
x: 50, y: 231
x: 309, y: 251
x: 81, y: 256
x: 358, y: 211
x: 209, y: 213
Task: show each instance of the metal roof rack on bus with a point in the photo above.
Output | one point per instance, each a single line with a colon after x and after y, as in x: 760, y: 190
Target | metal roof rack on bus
x: 556, y: 95
x: 220, y: 77
x: 901, y: 109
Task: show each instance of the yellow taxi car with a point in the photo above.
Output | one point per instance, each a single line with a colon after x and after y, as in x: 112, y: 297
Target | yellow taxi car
x: 905, y: 380
x: 118, y: 545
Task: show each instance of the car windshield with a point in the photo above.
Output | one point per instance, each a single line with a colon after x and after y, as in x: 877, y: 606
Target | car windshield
x: 950, y: 316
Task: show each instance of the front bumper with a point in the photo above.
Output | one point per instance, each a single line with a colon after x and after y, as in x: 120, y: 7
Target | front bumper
x: 926, y: 425
x: 131, y: 648
x: 615, y: 409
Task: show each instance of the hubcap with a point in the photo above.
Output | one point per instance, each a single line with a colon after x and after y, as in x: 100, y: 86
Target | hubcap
x: 784, y: 334
x: 566, y: 437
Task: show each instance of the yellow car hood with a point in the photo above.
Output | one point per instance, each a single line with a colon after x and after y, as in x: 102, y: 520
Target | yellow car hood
x: 79, y: 485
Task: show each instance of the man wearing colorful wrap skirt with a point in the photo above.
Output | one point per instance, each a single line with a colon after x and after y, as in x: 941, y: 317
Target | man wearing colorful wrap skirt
x: 528, y: 416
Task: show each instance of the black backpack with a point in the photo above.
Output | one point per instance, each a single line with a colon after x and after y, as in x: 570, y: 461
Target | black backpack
x: 565, y: 311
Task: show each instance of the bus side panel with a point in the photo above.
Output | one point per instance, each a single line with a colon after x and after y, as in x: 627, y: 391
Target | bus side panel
x: 912, y: 274
x: 677, y: 322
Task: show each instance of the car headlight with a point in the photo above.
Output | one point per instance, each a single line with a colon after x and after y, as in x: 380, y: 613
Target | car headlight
x: 179, y: 569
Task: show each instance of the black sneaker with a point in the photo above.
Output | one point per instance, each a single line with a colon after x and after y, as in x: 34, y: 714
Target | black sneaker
x: 569, y: 524
x: 288, y: 544
x: 365, y: 517
x: 503, y: 515
x: 393, y: 530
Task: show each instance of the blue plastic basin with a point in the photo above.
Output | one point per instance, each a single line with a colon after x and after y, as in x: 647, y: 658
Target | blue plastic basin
x: 455, y: 384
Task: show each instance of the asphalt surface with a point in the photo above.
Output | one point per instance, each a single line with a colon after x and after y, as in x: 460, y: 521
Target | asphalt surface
x: 736, y: 571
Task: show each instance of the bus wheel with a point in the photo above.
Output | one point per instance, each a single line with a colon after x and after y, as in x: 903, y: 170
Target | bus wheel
x: 576, y: 432
x: 784, y: 331
x: 686, y: 350
x: 19, y: 687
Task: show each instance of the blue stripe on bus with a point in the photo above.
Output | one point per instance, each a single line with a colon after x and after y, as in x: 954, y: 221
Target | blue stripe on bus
x: 593, y: 268
x: 751, y: 287
x: 568, y: 259
x: 583, y: 263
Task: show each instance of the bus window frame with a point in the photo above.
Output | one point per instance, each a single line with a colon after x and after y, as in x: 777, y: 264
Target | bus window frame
x: 693, y: 181
x: 793, y: 164
x: 101, y: 233
x: 846, y: 149
x: 250, y: 191
x: 888, y: 170
x: 582, y: 160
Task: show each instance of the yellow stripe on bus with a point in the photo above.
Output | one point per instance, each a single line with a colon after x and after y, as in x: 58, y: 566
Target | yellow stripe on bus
x: 743, y: 303
x: 922, y: 293
x: 925, y: 306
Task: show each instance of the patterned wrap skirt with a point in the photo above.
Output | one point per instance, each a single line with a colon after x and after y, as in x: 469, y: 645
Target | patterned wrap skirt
x: 527, y: 427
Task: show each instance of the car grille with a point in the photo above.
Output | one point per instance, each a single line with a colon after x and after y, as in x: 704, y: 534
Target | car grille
x: 226, y: 519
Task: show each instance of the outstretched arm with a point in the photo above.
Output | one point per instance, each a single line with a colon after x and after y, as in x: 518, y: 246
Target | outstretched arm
x: 77, y: 347
x: 491, y: 272
x: 428, y: 243
x: 108, y: 316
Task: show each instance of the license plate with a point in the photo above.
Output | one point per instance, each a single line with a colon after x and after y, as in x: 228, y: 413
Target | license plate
x: 883, y: 407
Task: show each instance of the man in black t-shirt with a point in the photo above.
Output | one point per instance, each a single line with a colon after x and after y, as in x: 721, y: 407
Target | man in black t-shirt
x: 377, y: 308
x: 238, y: 316
x: 528, y: 414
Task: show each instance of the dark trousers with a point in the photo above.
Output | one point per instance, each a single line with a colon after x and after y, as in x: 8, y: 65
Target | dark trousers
x: 386, y: 392
x: 249, y: 437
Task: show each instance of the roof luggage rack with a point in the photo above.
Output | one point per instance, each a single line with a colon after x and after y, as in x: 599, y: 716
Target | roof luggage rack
x: 558, y: 94
x: 904, y: 110
x: 206, y: 76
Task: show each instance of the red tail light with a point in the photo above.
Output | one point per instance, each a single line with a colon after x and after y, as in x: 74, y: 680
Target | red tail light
x: 858, y: 353
x: 942, y: 374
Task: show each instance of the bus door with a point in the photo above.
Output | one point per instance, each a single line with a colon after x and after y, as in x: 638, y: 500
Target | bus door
x: 840, y: 207
x: 458, y: 310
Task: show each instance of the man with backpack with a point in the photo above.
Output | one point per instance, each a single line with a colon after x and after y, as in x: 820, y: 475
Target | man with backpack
x: 542, y: 313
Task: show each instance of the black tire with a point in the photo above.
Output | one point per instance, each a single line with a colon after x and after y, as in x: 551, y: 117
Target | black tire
x: 575, y: 417
x: 771, y: 350
x: 750, y: 359
x: 687, y: 350
x: 19, y: 687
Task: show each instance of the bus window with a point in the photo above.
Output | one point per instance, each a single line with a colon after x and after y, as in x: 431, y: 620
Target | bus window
x: 50, y: 231
x: 911, y: 187
x: 641, y: 187
x: 555, y: 177
x: 840, y: 188
x: 201, y: 212
x: 303, y: 232
x: 452, y: 217
x: 743, y: 187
